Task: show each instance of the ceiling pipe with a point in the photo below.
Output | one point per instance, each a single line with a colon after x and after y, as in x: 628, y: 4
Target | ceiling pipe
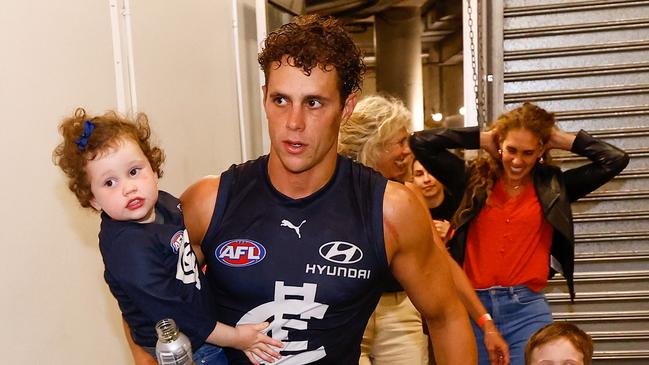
x: 350, y: 9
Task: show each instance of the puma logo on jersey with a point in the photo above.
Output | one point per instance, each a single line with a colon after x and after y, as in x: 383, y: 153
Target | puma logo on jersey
x: 286, y: 223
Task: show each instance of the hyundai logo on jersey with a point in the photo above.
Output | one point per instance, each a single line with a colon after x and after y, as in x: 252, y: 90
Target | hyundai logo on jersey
x: 240, y: 252
x: 341, y: 252
x: 176, y: 241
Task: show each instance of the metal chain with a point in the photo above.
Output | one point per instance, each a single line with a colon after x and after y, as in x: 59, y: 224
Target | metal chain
x: 477, y: 90
x: 482, y: 105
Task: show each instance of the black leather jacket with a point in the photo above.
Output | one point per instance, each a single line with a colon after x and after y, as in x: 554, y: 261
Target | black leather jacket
x: 555, y: 189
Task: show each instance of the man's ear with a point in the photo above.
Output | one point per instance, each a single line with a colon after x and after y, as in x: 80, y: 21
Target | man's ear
x: 348, y: 107
x: 264, y: 90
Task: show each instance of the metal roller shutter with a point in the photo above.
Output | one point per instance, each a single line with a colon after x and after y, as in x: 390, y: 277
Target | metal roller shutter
x: 588, y: 61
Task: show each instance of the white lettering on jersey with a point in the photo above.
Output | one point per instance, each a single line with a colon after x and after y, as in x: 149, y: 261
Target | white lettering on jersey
x: 306, y: 308
x: 187, y: 267
x: 235, y: 253
x: 286, y: 223
x: 345, y: 272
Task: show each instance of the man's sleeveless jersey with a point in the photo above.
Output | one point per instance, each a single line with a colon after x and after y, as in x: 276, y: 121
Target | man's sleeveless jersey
x: 312, y: 266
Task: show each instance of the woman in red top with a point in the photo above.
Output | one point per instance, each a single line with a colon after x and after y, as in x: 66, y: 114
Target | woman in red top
x: 513, y: 228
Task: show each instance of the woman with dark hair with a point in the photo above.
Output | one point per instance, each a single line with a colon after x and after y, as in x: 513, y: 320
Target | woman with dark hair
x: 442, y: 202
x: 514, y: 228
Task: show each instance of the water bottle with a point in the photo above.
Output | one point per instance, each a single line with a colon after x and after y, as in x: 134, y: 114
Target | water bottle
x: 173, y: 347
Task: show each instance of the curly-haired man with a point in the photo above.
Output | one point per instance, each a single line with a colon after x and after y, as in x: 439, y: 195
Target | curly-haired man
x: 304, y: 238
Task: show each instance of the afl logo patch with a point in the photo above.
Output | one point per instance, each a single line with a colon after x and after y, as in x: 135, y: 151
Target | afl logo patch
x: 176, y: 241
x: 341, y: 252
x: 240, y: 253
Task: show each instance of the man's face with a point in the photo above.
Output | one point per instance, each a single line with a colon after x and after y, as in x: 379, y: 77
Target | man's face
x: 304, y: 115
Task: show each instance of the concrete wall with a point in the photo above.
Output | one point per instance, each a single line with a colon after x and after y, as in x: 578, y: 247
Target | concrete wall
x: 443, y: 90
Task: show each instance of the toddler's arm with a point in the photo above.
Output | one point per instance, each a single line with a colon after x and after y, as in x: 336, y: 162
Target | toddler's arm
x: 247, y: 338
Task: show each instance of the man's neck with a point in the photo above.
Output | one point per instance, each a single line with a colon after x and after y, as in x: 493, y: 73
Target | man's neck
x: 297, y: 185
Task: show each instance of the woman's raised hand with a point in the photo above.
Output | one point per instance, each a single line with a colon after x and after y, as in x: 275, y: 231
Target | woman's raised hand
x: 489, y: 143
x: 560, y: 140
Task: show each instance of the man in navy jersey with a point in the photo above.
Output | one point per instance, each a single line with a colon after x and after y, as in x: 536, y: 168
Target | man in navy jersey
x: 304, y: 238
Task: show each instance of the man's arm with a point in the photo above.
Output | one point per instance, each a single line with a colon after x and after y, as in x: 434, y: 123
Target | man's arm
x: 423, y: 271
x: 198, y: 203
x: 140, y: 356
x: 496, y: 346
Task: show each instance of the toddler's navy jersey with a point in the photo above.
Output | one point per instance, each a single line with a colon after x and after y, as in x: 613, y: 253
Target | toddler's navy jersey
x: 312, y: 267
x: 152, y: 272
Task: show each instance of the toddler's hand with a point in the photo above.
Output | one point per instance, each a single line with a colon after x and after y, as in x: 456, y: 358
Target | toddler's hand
x: 254, y: 343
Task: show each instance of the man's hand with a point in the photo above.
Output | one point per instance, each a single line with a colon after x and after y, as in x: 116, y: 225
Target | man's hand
x: 495, y: 345
x: 140, y: 357
x: 144, y: 358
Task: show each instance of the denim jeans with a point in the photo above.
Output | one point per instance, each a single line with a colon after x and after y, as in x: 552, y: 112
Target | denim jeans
x: 210, y: 355
x: 206, y: 354
x: 517, y: 312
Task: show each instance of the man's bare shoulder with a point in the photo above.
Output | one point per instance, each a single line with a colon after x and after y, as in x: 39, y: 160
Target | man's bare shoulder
x: 397, y: 200
x: 418, y: 193
x: 201, y: 189
x: 404, y: 218
x: 198, y: 203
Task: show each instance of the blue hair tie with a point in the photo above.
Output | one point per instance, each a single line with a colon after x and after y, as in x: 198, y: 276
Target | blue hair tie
x: 82, y: 142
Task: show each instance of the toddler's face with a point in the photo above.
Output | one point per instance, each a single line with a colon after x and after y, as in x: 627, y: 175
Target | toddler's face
x: 557, y: 352
x: 123, y: 184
